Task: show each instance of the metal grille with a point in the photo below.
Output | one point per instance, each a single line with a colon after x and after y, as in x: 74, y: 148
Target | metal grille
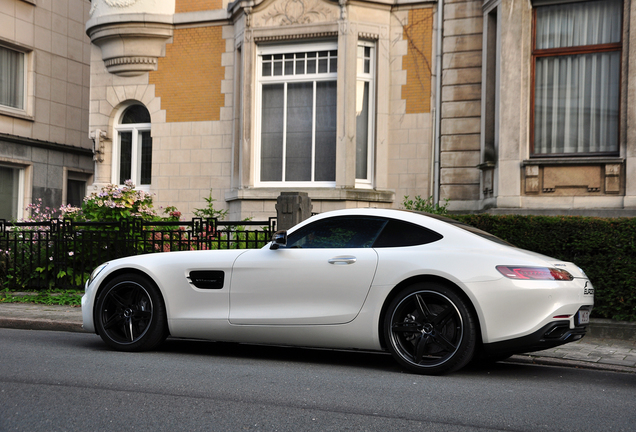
x: 62, y: 254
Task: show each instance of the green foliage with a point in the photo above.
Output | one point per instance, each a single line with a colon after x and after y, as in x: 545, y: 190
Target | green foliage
x: 209, y: 212
x: 425, y: 205
x: 48, y: 297
x: 603, y: 248
x: 77, y: 252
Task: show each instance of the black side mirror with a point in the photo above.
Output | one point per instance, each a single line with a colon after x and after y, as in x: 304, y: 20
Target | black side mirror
x: 279, y: 239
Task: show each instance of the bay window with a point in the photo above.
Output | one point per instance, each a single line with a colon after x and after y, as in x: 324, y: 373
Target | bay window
x: 577, y: 60
x: 296, y: 122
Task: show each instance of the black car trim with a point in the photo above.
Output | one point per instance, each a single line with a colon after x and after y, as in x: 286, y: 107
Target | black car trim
x: 549, y: 336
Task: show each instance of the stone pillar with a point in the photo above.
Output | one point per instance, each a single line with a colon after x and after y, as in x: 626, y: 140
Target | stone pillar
x: 292, y: 208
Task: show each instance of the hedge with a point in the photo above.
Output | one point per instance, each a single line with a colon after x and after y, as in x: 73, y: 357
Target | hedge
x: 604, y: 248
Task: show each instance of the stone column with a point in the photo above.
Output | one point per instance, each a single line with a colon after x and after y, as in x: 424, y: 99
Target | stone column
x: 292, y: 208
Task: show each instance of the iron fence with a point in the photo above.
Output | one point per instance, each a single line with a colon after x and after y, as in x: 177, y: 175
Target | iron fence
x: 62, y: 253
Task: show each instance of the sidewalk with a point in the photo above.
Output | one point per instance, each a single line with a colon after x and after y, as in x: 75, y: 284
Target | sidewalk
x: 609, y: 345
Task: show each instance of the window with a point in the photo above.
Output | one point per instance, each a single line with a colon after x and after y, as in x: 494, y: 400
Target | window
x: 337, y: 232
x: 133, y: 150
x: 364, y: 117
x: 297, y: 119
x: 12, y: 78
x: 75, y: 192
x: 401, y: 234
x: 577, y: 59
x: 10, y: 192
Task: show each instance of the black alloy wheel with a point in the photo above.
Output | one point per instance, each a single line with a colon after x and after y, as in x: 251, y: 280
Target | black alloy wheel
x: 130, y: 314
x: 429, y: 329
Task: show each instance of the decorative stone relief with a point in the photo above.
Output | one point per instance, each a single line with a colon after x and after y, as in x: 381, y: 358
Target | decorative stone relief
x: 532, y: 179
x: 580, y: 177
x: 612, y: 178
x: 100, y: 7
x: 120, y: 3
x: 291, y: 12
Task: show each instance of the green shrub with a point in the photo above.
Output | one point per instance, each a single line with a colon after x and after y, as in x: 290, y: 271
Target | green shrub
x: 424, y: 205
x: 604, y: 248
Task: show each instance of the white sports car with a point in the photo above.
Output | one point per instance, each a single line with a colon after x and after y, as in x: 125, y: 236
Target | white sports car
x: 433, y: 292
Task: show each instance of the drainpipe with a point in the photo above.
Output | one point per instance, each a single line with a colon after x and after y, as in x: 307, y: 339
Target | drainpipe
x: 438, y: 102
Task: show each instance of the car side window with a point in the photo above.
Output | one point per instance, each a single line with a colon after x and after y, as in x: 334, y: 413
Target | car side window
x: 337, y: 232
x: 398, y: 233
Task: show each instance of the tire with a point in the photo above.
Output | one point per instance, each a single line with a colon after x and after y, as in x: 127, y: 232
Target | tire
x: 130, y: 314
x: 430, y: 330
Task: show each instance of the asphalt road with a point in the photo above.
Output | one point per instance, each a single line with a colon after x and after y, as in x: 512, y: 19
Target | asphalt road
x: 53, y: 381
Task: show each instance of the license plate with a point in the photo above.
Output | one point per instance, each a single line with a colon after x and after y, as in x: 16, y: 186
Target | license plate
x: 584, y: 317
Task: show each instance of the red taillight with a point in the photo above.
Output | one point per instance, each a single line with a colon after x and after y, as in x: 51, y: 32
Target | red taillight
x: 534, y: 273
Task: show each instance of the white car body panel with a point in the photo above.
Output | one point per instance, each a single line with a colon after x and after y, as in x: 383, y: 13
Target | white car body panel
x: 274, y: 296
x: 300, y: 286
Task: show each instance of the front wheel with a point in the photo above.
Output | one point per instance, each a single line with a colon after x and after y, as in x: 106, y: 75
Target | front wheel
x: 430, y: 330
x: 130, y: 314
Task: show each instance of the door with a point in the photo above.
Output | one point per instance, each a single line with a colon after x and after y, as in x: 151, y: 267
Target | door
x: 321, y: 277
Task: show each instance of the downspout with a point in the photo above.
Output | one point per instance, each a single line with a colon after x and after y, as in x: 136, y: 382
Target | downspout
x: 438, y: 102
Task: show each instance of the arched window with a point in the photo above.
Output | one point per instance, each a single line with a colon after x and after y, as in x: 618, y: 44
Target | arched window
x: 132, y: 155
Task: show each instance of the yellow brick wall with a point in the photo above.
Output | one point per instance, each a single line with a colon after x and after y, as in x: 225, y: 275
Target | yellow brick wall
x: 418, y: 61
x: 188, y: 79
x: 197, y: 5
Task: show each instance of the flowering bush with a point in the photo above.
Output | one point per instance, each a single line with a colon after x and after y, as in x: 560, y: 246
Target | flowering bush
x: 39, y: 214
x: 114, y: 203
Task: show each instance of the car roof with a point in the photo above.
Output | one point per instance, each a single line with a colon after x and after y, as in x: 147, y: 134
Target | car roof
x: 444, y: 225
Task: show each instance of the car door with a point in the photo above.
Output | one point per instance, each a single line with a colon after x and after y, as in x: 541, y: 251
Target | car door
x: 322, y: 276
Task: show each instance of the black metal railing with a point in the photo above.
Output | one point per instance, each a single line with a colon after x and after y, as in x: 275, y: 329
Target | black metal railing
x: 62, y: 253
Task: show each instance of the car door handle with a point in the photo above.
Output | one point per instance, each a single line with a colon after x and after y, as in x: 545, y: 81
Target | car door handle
x: 343, y: 260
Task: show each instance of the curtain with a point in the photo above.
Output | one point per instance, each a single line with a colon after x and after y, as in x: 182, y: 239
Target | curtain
x: 11, y: 78
x: 577, y: 96
x: 362, y: 129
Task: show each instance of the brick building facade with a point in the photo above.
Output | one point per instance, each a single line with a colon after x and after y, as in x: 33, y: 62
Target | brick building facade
x: 341, y: 100
x: 344, y: 112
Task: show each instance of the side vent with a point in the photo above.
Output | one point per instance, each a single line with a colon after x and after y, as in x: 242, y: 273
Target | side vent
x: 207, y: 279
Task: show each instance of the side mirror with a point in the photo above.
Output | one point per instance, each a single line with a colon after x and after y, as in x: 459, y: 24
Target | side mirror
x: 279, y: 239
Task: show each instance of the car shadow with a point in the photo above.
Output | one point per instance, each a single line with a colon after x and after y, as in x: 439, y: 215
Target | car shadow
x: 368, y: 360
x: 364, y: 359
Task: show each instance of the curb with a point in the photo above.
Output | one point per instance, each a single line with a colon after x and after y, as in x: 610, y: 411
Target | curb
x: 41, y: 324
x: 577, y: 364
x: 609, y: 329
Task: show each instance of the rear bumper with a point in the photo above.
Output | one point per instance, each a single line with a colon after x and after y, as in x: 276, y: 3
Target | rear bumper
x: 549, y: 336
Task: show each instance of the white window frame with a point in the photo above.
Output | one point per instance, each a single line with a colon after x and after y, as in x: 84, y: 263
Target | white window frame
x: 284, y: 79
x: 24, y: 110
x: 21, y: 174
x: 370, y: 77
x: 135, y: 163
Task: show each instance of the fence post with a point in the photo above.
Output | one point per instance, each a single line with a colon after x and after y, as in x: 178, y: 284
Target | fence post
x: 292, y: 208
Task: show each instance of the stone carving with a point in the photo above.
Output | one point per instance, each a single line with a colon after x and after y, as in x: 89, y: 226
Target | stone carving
x: 111, y: 3
x: 290, y: 12
x: 120, y: 3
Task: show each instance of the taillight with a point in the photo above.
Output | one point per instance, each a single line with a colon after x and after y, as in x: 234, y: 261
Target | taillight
x: 534, y: 273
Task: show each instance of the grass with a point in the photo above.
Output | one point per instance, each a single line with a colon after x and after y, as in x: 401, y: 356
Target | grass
x: 47, y: 297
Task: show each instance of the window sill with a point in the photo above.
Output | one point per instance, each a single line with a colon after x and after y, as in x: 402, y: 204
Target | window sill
x: 318, y: 194
x: 574, y: 160
x: 12, y: 112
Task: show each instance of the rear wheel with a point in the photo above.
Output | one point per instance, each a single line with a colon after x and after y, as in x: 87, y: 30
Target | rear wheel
x: 429, y: 329
x: 130, y: 314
